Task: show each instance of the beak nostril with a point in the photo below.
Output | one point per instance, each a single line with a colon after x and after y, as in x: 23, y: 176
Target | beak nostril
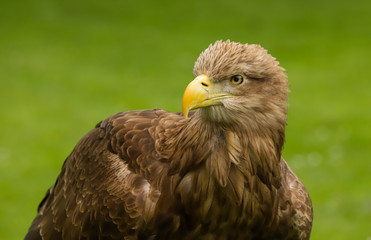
x: 204, y: 84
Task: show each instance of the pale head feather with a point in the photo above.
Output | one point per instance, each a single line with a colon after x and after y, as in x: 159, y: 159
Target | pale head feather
x: 261, y: 99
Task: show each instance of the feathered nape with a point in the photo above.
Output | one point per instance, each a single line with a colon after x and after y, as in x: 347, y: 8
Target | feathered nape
x: 248, y: 130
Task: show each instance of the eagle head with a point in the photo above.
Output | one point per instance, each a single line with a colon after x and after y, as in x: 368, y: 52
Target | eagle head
x: 237, y: 82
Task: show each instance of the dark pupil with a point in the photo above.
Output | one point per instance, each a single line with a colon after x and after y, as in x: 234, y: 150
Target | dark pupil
x: 237, y: 79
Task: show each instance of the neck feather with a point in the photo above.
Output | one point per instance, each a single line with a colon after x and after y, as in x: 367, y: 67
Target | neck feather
x: 254, y: 150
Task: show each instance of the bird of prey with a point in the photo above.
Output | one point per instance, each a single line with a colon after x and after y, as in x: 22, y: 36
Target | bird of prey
x: 212, y: 173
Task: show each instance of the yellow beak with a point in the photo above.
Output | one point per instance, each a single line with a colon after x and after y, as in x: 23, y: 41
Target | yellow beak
x: 200, y: 93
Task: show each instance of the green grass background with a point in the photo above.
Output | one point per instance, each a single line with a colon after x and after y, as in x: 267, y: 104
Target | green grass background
x: 66, y: 65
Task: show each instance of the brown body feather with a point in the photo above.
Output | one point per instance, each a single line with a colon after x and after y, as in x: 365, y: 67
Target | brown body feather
x: 154, y: 175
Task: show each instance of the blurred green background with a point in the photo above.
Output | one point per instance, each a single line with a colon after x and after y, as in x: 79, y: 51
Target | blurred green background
x: 66, y: 65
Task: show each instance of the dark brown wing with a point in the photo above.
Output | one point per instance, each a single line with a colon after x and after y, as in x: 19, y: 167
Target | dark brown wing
x: 296, y: 205
x: 104, y: 187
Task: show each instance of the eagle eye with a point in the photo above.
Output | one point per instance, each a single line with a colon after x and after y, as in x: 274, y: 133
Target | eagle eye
x: 236, y: 80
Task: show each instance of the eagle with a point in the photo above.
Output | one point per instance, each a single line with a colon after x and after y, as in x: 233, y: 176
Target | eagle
x: 212, y: 173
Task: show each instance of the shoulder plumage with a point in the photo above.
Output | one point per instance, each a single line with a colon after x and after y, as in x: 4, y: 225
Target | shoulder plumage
x: 108, y: 181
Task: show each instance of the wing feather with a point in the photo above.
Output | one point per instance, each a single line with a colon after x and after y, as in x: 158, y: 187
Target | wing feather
x: 103, y: 186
